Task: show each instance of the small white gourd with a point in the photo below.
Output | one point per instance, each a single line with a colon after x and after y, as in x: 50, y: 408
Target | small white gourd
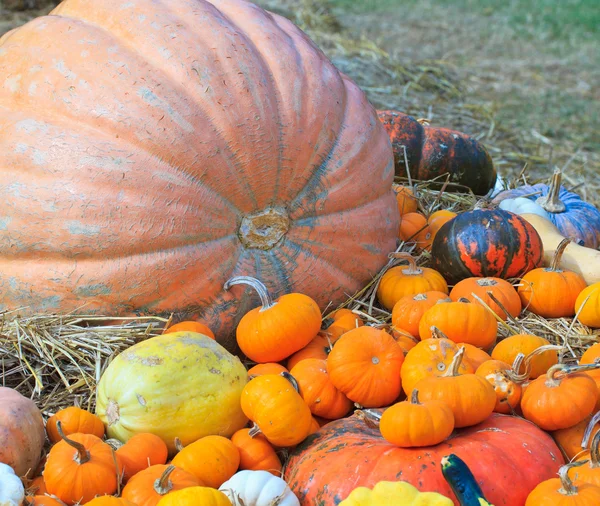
x: 258, y: 488
x: 521, y: 205
x: 12, y: 492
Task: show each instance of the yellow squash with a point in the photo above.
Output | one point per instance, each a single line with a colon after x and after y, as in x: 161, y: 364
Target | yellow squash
x: 396, y: 493
x: 181, y: 385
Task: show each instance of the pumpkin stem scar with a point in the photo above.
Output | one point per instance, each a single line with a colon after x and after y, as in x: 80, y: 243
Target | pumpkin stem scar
x: 164, y: 485
x: 112, y: 412
x: 264, y: 229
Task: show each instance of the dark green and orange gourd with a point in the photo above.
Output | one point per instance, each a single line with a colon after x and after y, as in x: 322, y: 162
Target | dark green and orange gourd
x: 486, y: 243
x: 433, y: 152
x: 149, y: 151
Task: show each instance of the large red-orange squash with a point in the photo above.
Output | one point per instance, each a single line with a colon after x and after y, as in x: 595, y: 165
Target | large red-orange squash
x: 347, y: 453
x: 483, y: 243
x: 432, y: 152
x: 149, y: 151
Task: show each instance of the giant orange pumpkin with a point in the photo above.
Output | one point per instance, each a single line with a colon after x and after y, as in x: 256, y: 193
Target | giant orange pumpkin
x: 149, y: 151
x: 508, y: 456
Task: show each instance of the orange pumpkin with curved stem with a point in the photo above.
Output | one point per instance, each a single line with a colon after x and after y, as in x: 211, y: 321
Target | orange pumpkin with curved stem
x: 507, y: 350
x: 562, y: 492
x: 408, y: 311
x: 461, y: 322
x: 508, y: 390
x: 273, y: 403
x: 140, y: 452
x: 347, y: 320
x: 147, y: 487
x: 267, y: 368
x: 404, y: 339
x: 190, y: 326
x: 317, y: 390
x: 403, y: 280
x: 80, y: 467
x: 590, y: 471
x: 406, y: 200
x: 413, y: 423
x: 211, y: 459
x: 365, y: 365
x: 279, y: 328
x: 553, y: 402
x: 74, y: 420
x: 500, y: 289
x: 589, y: 298
x: 570, y: 440
x: 539, y: 288
x: 414, y: 228
x: 256, y: 453
x: 319, y: 347
x: 452, y: 387
x: 430, y: 357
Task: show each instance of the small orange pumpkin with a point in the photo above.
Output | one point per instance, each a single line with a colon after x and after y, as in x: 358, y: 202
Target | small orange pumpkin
x: 346, y: 319
x: 414, y: 228
x: 409, y: 424
x: 551, y: 292
x: 273, y: 403
x: 470, y: 397
x: 461, y: 322
x: 508, y: 390
x: 80, y: 467
x: 430, y: 357
x: 501, y: 289
x: 538, y: 363
x: 404, y: 339
x: 571, y: 440
x: 256, y: 453
x: 317, y: 390
x: 147, y: 487
x: 140, y: 452
x: 268, y: 368
x: 553, y: 402
x: 211, y: 459
x: 278, y: 328
x: 74, y: 420
x: 562, y: 492
x: 437, y: 219
x: 408, y: 311
x: 474, y: 356
x: 37, y: 486
x: 190, y: 326
x: 589, y: 298
x: 402, y: 280
x: 109, y: 500
x: 365, y: 365
x: 406, y: 200
x: 590, y: 471
x: 45, y: 500
x: 319, y: 347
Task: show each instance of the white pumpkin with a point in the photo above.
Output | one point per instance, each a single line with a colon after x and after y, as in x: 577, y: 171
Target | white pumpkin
x: 12, y: 492
x: 521, y: 205
x: 258, y: 488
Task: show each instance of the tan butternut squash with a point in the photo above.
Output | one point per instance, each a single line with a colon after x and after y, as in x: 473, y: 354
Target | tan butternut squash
x: 584, y: 261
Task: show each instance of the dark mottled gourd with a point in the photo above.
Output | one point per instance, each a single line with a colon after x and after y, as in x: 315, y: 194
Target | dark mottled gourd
x: 576, y: 219
x: 462, y: 482
x: 432, y: 152
x: 486, y: 243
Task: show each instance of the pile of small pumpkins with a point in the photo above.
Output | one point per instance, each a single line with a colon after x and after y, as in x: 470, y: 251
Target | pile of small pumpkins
x: 180, y: 420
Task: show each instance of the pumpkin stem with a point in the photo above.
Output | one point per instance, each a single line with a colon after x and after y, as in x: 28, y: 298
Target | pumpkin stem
x: 455, y: 364
x: 371, y: 418
x: 178, y: 444
x: 588, y: 430
x: 115, y: 444
x: 567, y: 487
x: 420, y: 296
x: 413, y: 269
x: 437, y: 333
x: 595, y: 451
x: 265, y: 298
x: 526, y: 363
x: 552, y: 202
x: 83, y: 455
x: 560, y: 249
x: 254, y: 431
x: 551, y: 379
x: 291, y: 379
x: 464, y: 300
x: 164, y: 485
x: 487, y: 282
x: 414, y: 397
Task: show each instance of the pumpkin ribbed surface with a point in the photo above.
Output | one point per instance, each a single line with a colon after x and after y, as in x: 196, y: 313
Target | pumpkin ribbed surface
x: 150, y: 151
